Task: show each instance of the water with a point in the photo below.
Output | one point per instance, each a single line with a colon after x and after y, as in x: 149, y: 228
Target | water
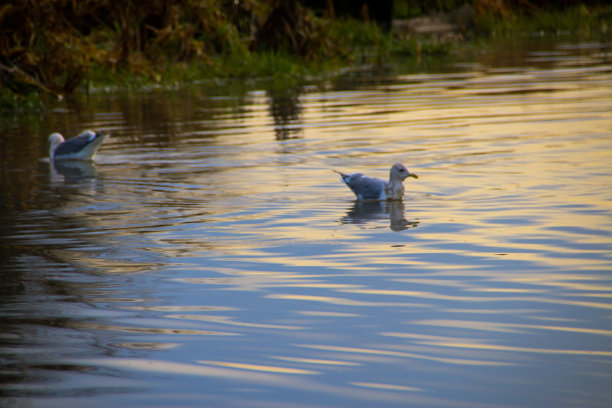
x: 211, y: 257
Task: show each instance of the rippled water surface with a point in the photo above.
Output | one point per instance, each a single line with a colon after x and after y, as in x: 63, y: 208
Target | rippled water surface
x: 211, y: 257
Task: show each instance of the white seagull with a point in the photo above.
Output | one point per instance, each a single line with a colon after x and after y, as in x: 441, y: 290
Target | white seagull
x: 82, y: 147
x: 370, y: 188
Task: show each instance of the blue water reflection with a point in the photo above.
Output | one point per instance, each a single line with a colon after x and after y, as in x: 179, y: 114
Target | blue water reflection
x: 210, y: 257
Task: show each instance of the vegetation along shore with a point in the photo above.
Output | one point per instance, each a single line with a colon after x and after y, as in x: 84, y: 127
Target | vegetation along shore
x: 58, y: 47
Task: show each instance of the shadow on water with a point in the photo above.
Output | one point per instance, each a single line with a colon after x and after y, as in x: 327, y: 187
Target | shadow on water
x: 285, y: 108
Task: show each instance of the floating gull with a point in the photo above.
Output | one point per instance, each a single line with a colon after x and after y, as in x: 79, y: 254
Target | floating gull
x: 82, y: 147
x: 370, y: 188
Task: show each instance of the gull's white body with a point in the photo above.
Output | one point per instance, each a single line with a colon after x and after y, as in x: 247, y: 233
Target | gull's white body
x: 82, y: 147
x: 371, y: 188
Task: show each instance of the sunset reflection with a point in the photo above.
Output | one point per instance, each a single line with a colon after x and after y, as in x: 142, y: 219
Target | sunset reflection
x: 212, y: 257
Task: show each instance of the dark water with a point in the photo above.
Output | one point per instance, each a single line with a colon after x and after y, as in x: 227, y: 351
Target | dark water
x: 210, y: 257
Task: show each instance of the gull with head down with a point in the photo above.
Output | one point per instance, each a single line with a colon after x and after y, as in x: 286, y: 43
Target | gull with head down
x: 371, y: 188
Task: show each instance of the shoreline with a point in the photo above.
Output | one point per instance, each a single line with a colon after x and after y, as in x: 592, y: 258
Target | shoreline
x: 346, y: 44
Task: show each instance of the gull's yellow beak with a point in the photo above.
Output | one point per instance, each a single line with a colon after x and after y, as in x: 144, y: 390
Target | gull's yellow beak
x: 413, y: 175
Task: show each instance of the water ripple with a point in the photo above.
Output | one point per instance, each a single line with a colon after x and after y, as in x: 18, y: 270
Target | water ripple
x: 210, y: 256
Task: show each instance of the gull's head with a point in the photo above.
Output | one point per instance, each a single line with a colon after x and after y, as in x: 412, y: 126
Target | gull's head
x: 400, y: 172
x: 55, y: 139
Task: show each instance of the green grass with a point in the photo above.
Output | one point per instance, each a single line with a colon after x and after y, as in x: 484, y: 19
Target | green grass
x: 349, y: 43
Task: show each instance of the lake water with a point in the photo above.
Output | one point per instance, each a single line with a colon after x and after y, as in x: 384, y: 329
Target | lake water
x: 211, y: 258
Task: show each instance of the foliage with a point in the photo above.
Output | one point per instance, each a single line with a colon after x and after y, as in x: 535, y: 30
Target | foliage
x: 14, y: 102
x: 50, y: 45
x: 414, y: 8
x: 55, y: 46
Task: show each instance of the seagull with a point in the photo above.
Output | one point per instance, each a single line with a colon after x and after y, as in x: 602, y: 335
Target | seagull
x: 82, y: 147
x: 370, y: 188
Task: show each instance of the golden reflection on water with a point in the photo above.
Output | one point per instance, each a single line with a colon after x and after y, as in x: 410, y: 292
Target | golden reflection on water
x: 363, y: 354
x: 204, y: 370
x: 317, y: 361
x: 261, y: 368
x: 147, y: 346
x: 334, y: 300
x: 511, y: 327
x: 226, y: 320
x: 387, y: 386
x: 326, y: 314
x: 233, y: 222
x: 478, y: 346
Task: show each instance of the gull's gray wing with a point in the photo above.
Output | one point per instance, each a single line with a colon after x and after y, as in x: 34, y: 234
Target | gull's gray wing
x: 365, y: 188
x: 76, y: 144
x: 82, y: 147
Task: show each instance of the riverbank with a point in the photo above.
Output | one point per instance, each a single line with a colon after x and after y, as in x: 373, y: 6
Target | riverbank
x: 246, y: 41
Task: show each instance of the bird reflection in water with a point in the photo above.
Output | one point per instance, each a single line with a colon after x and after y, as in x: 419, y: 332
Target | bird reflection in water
x: 76, y: 173
x: 362, y: 212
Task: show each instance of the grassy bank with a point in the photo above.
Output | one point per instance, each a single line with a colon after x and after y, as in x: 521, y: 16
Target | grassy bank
x: 58, y: 48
